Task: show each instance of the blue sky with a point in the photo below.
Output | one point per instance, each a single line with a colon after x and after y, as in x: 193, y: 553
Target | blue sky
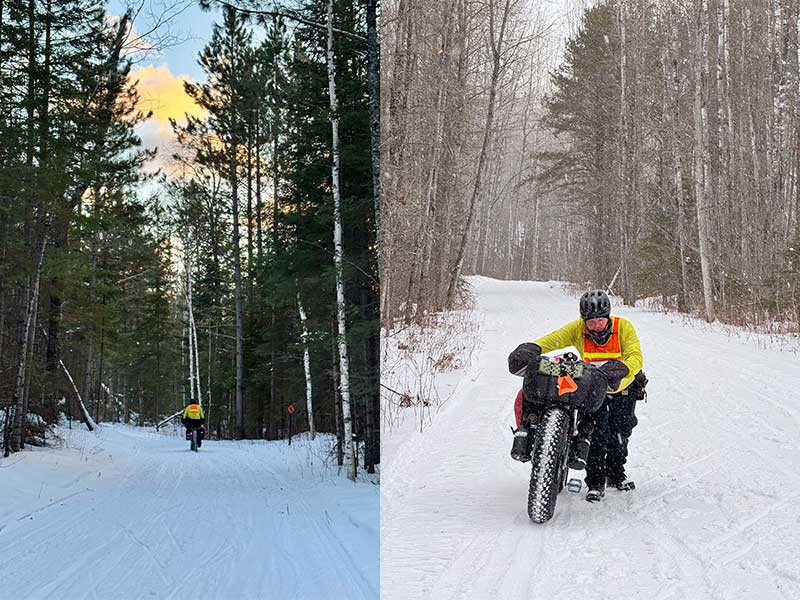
x: 183, y: 29
x: 186, y: 22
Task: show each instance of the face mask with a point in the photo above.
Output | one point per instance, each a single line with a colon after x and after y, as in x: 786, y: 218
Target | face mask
x: 600, y: 337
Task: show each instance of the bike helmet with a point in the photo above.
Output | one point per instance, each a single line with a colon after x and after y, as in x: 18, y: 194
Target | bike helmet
x: 595, y: 304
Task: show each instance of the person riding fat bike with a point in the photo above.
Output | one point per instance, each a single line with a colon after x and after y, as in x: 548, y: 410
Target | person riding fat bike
x: 194, y: 418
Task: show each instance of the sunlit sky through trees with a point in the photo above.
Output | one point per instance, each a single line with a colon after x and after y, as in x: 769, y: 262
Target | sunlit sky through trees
x: 167, y: 36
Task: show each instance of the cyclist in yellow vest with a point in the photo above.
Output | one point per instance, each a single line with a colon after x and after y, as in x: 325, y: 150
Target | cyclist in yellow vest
x: 611, y: 343
x: 194, y: 418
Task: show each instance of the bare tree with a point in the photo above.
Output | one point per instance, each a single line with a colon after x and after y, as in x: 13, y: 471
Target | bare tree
x: 675, y: 181
x: 701, y: 175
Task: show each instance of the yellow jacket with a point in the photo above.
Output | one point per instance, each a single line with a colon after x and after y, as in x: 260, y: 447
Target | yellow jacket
x: 574, y: 334
x: 194, y: 411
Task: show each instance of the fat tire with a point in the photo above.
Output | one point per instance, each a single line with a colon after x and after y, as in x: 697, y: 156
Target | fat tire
x: 550, y: 447
x: 194, y: 440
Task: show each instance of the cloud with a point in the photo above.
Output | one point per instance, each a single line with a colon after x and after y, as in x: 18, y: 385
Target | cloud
x: 162, y: 93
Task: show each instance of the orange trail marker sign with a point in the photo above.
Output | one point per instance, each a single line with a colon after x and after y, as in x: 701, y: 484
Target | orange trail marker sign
x: 290, y: 410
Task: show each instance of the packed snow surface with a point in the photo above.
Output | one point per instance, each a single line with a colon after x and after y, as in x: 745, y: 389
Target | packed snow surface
x: 128, y: 513
x: 715, y: 459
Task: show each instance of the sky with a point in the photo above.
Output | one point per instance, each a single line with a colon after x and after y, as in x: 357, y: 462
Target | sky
x: 173, y: 32
x: 169, y: 36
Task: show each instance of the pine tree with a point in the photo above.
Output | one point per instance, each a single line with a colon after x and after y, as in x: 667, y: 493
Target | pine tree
x: 68, y: 168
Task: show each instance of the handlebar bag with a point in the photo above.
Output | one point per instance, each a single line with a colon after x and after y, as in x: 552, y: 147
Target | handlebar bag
x: 540, y: 385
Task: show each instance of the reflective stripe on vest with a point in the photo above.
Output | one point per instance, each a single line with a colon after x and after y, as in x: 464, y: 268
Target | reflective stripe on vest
x: 194, y: 409
x: 594, y: 352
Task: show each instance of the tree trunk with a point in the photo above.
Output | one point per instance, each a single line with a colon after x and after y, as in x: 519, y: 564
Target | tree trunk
x: 623, y: 141
x: 75, y: 398
x: 273, y: 396
x: 250, y: 270
x: 60, y: 219
x: 337, y: 400
x: 701, y: 152
x: 237, y: 275
x: 341, y: 309
x: 676, y: 157
x: 374, y: 82
x: 31, y: 99
x: 18, y: 401
x: 497, y: 54
x: 97, y: 395
x: 372, y: 437
x: 29, y: 371
x: 189, y: 336
x: 194, y: 354
x: 196, y: 361
x: 259, y: 216
x: 307, y: 368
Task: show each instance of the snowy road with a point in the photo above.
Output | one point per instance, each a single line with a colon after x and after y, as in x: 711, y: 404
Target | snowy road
x: 715, y: 458
x: 131, y: 514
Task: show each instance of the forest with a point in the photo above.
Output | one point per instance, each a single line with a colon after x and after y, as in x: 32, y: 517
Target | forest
x: 243, y: 277
x: 651, y: 148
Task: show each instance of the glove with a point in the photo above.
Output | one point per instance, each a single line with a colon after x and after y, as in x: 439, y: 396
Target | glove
x: 638, y: 386
x: 522, y: 356
x: 615, y: 371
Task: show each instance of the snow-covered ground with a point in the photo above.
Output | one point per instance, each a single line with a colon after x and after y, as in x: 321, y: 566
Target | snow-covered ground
x: 128, y: 513
x: 715, y: 459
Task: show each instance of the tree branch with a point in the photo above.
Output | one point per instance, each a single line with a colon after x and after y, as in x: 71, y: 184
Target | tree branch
x: 289, y: 15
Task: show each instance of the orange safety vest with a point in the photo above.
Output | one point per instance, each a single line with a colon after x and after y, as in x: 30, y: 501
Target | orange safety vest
x: 594, y: 352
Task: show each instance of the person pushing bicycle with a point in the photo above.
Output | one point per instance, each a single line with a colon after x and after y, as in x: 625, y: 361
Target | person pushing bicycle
x: 612, y: 344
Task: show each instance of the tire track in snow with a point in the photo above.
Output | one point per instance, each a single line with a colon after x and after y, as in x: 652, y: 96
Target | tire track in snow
x: 137, y: 519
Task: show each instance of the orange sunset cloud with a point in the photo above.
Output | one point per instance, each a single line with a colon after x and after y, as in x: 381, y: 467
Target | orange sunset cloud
x: 162, y: 92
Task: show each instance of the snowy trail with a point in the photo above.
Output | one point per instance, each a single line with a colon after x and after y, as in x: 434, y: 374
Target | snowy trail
x: 715, y: 513
x: 129, y: 513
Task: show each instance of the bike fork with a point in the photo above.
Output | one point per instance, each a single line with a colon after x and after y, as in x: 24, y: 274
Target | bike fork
x: 573, y: 483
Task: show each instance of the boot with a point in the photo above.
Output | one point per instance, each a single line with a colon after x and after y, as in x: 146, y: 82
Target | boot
x: 578, y: 453
x: 622, y: 483
x: 521, y: 448
x: 595, y: 493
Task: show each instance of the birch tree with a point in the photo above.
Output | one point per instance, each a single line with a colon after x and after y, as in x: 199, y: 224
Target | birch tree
x: 307, y: 368
x: 341, y: 309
